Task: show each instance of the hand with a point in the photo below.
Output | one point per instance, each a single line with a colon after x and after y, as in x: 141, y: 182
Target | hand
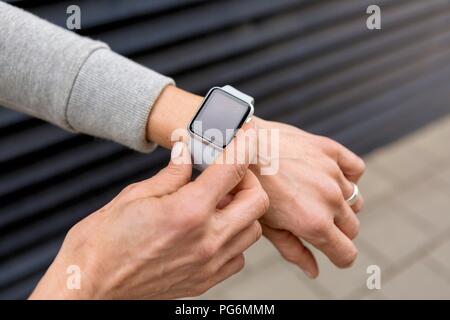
x: 307, y: 198
x: 164, y: 237
x: 307, y: 195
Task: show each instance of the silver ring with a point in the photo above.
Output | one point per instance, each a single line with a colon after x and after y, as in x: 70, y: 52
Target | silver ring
x: 354, y: 197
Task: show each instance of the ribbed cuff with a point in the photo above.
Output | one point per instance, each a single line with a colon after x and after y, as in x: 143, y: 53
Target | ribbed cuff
x: 112, y: 97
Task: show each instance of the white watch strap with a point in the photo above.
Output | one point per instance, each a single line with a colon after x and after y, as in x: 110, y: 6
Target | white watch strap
x: 204, y: 154
x: 235, y: 92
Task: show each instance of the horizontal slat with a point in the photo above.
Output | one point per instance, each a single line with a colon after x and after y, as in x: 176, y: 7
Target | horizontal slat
x: 30, y: 3
x: 8, y: 118
x: 22, y: 289
x: 341, y: 60
x: 147, y: 35
x: 370, y: 106
x: 18, y: 268
x: 235, y: 41
x: 60, y: 196
x: 101, y: 12
x: 338, y: 89
x: 43, y: 171
x: 265, y: 61
x: 347, y: 99
x: 28, y: 141
x: 386, y: 127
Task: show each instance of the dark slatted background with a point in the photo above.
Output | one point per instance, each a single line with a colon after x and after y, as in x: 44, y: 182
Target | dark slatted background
x: 310, y: 63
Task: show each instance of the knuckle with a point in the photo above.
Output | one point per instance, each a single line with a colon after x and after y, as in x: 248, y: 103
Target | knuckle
x: 176, y: 172
x: 191, y: 219
x: 349, y: 258
x: 210, y: 270
x: 361, y: 166
x: 360, y: 206
x: 265, y: 201
x: 332, y: 168
x: 207, y: 250
x: 74, y: 231
x: 288, y: 252
x: 257, y: 231
x: 238, y: 172
x: 195, y: 190
x: 130, y: 189
x: 328, y: 144
x: 353, y: 229
x: 197, y: 193
x: 192, y: 214
x: 262, y: 202
x: 338, y: 175
x: 319, y: 226
x: 240, y: 263
x: 331, y: 190
x: 356, y: 229
x: 284, y: 236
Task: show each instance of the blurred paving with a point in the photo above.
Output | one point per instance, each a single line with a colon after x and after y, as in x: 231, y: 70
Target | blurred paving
x: 406, y: 234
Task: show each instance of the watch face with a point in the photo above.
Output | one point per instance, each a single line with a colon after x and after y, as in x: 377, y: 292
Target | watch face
x: 219, y: 117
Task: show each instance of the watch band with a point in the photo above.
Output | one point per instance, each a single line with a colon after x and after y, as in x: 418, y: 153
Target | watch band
x: 235, y: 92
x: 204, y: 154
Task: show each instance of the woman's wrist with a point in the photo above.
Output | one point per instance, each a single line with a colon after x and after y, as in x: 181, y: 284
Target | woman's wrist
x: 261, y: 126
x: 173, y: 110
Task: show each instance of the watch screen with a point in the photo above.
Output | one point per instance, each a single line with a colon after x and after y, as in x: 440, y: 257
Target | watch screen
x: 220, y: 116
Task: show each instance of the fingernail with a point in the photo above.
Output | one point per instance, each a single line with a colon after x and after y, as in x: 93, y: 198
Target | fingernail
x: 308, y: 274
x: 177, y: 150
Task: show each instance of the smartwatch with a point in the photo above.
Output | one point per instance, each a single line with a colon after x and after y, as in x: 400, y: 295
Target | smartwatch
x: 222, y: 113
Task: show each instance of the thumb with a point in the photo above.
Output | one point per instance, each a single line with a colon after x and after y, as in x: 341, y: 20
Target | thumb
x: 175, y: 175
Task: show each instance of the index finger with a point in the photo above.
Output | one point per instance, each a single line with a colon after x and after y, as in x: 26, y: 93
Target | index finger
x: 231, y: 166
x: 338, y: 248
x: 351, y: 165
x: 249, y: 203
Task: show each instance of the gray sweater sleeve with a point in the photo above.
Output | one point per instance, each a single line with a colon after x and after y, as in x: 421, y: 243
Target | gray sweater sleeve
x: 74, y: 82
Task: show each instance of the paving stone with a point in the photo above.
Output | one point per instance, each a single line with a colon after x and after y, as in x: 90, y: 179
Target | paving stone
x: 390, y: 233
x: 428, y: 202
x: 442, y: 255
x: 341, y: 283
x: 393, y: 227
x: 434, y: 140
x: 260, y: 253
x: 403, y: 160
x: 444, y: 176
x: 417, y: 282
x: 375, y: 184
x: 278, y: 280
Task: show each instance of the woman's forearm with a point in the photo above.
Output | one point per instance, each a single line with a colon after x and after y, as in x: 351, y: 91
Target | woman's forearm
x: 74, y: 82
x: 173, y: 110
